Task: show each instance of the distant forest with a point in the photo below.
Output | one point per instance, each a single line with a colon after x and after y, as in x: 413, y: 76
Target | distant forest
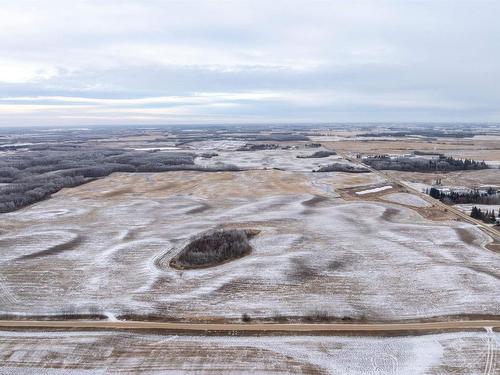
x: 423, y: 133
x: 409, y: 164
x: 27, y: 177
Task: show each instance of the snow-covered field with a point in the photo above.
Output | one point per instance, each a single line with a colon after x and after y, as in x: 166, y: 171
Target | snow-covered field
x: 216, y: 145
x: 484, y: 207
x: 406, y: 199
x: 417, y: 185
x: 276, y: 158
x: 374, y: 190
x: 157, y: 148
x: 106, y: 245
x: 26, y: 352
x: 470, y: 179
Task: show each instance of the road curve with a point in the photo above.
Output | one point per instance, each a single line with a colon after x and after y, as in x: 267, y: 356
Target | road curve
x: 252, y: 327
x: 490, y: 231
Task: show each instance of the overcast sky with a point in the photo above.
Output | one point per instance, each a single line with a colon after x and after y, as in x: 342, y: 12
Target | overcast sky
x: 160, y: 62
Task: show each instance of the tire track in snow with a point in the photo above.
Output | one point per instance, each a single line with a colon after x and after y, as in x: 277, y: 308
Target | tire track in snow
x: 385, y: 362
x: 6, y: 296
x: 489, y: 367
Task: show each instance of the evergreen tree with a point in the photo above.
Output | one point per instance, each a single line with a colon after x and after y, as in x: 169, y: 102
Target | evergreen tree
x: 473, y: 212
x: 435, y: 193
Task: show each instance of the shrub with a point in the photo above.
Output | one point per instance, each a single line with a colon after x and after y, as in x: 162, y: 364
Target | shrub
x: 278, y: 317
x: 246, y: 318
x: 318, y: 316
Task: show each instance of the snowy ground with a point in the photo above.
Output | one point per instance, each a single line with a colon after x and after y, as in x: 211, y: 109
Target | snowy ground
x: 107, y: 244
x: 374, y: 190
x: 277, y: 158
x: 417, y: 186
x: 27, y: 352
x: 406, y: 199
x: 470, y: 179
x: 216, y: 145
x: 484, y: 207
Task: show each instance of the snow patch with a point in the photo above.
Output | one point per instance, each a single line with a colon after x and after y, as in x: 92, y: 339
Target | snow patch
x: 374, y: 190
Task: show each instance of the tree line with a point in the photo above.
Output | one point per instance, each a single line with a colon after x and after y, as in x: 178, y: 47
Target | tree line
x: 474, y: 196
x: 409, y: 164
x: 486, y: 216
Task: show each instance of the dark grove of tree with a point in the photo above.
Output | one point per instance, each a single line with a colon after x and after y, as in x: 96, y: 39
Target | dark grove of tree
x: 488, y: 217
x: 342, y: 167
x: 442, y: 164
x: 213, y: 248
x: 490, y: 197
x: 317, y: 154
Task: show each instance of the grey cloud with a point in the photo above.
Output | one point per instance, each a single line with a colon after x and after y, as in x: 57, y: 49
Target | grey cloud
x: 322, y: 61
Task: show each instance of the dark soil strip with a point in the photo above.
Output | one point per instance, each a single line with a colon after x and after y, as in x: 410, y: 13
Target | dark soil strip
x: 57, y: 249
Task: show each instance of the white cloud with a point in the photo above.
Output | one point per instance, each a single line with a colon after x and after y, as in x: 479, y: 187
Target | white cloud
x: 21, y: 72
